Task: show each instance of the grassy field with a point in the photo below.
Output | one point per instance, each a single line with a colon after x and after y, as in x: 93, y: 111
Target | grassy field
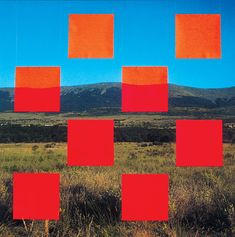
x: 202, y: 201
x: 154, y: 120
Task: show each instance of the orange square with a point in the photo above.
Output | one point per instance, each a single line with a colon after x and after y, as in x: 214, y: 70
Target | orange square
x: 37, y: 77
x: 198, y: 35
x: 137, y: 75
x: 91, y: 35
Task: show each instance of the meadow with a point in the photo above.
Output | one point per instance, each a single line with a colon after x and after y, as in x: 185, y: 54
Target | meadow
x: 202, y: 200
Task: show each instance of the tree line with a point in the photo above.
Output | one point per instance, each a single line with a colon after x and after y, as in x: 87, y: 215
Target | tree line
x: 11, y: 133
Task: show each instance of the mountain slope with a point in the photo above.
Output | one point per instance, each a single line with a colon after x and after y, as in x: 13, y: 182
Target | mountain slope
x: 106, y: 97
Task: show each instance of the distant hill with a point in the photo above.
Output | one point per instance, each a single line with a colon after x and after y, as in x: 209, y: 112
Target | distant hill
x: 106, y: 98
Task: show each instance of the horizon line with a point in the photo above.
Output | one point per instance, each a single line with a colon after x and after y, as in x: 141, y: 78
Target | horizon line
x: 120, y: 83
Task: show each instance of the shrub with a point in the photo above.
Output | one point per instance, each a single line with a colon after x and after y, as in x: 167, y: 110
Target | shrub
x: 35, y: 148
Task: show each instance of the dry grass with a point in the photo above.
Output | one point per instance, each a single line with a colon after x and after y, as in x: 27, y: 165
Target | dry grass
x: 201, y: 200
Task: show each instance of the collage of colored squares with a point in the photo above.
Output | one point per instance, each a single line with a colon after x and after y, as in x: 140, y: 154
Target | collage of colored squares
x: 145, y: 197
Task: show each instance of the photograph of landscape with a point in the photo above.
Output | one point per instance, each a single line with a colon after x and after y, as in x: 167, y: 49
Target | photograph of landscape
x: 201, y: 199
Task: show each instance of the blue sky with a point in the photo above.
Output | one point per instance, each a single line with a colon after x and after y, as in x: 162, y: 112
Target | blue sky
x: 35, y: 33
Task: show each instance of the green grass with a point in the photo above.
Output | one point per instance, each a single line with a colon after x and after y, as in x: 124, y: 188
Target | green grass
x: 202, y: 200
x: 152, y: 120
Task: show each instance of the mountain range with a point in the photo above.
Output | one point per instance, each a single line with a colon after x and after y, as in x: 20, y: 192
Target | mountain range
x: 106, y: 98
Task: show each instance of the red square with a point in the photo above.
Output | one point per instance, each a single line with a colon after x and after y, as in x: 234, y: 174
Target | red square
x: 198, y: 36
x: 36, y: 196
x: 90, y: 142
x: 144, y: 89
x: 91, y: 35
x: 199, y: 143
x: 37, y: 89
x: 145, y: 197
